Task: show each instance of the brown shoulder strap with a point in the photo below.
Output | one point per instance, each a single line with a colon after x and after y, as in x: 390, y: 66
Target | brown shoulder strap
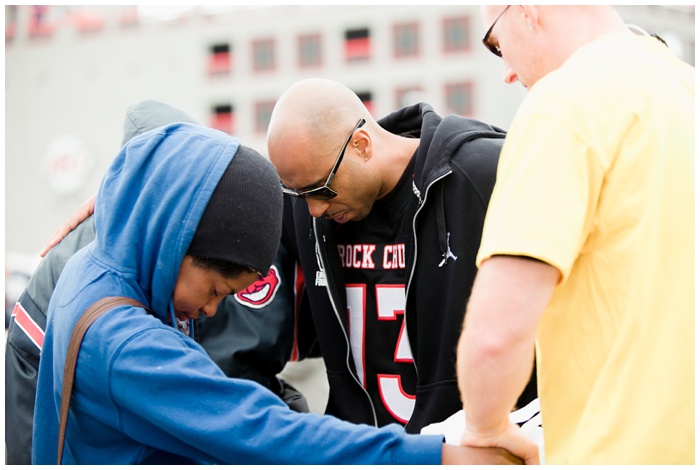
x: 91, y: 314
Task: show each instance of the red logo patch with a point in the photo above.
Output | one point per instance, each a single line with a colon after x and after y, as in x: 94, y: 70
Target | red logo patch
x: 261, y: 292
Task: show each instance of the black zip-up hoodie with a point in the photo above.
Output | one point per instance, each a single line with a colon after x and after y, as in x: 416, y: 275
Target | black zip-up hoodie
x: 455, y: 171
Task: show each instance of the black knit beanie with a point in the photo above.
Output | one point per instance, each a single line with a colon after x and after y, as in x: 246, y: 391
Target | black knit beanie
x: 242, y: 223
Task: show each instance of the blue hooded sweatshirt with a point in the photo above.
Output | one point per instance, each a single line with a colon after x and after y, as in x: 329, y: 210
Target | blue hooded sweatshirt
x: 144, y: 392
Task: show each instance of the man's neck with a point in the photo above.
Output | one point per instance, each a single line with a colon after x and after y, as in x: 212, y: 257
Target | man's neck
x: 398, y: 160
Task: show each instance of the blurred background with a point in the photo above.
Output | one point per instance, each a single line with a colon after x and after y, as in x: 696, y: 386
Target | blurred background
x: 72, y: 71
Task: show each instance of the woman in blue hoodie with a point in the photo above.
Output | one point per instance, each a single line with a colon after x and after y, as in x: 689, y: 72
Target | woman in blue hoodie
x: 184, y: 216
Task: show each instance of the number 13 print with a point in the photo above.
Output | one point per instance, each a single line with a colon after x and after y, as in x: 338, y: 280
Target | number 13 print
x: 390, y: 307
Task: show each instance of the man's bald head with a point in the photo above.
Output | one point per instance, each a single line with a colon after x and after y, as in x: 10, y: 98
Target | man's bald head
x: 318, y: 109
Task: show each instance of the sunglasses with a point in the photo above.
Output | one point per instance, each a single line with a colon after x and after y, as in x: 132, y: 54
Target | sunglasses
x: 324, y: 193
x: 487, y: 37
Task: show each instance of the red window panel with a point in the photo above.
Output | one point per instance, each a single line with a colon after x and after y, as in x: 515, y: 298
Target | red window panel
x: 86, y: 22
x: 223, y: 119
x: 129, y: 17
x: 10, y: 22
x: 39, y: 25
x: 366, y: 98
x: 357, y: 44
x: 9, y: 32
x: 357, y: 48
x: 219, y: 63
x: 370, y: 106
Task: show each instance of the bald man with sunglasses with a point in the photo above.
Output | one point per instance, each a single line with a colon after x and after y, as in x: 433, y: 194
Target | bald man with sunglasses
x: 386, y: 217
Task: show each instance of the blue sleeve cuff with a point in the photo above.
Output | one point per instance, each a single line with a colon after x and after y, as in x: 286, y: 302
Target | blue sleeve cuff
x: 419, y: 450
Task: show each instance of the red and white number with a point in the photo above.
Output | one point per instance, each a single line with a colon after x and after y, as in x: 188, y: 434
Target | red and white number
x: 390, y: 307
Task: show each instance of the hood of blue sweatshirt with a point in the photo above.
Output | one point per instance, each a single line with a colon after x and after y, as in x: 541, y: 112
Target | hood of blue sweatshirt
x: 150, y: 202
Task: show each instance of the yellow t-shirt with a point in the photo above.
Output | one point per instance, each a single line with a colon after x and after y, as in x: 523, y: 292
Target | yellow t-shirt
x: 596, y: 178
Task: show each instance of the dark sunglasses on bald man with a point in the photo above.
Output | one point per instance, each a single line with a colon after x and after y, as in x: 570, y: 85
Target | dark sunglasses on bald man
x: 324, y: 193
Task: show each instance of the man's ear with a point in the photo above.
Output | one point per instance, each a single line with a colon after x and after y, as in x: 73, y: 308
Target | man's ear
x: 531, y: 16
x: 362, y: 143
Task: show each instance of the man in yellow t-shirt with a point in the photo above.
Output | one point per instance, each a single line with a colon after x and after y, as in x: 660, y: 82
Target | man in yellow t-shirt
x: 588, y: 245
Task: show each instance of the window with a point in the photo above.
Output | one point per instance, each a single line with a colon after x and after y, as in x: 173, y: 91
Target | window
x: 129, y: 17
x: 38, y: 23
x: 264, y: 55
x: 222, y: 118
x: 357, y: 45
x: 408, y: 95
x: 263, y: 112
x: 309, y: 50
x: 87, y: 21
x: 406, y: 40
x: 219, y: 59
x: 10, y: 22
x: 458, y: 97
x: 455, y: 34
x: 366, y: 98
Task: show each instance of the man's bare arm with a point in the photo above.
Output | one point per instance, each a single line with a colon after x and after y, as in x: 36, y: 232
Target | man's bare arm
x: 496, y: 349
